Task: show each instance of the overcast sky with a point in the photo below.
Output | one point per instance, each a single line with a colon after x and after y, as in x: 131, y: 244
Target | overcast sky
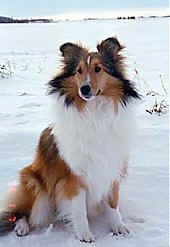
x: 33, y: 8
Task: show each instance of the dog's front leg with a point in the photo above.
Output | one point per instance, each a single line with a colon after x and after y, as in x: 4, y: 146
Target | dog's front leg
x: 116, y: 223
x: 79, y: 218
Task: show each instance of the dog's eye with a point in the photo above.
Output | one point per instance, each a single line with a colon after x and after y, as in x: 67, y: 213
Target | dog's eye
x: 80, y: 70
x: 97, y: 69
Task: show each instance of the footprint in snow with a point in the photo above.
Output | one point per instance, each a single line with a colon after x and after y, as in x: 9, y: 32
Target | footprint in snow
x: 30, y: 105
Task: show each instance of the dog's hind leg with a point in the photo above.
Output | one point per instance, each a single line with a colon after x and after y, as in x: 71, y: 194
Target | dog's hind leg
x: 42, y: 211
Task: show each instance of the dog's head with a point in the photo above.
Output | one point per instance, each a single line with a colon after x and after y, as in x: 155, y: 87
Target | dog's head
x: 87, y: 75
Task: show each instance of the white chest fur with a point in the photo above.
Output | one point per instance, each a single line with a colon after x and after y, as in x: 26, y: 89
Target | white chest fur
x: 94, y: 143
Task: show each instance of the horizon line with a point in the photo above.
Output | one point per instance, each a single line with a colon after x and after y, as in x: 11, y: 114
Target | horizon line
x: 98, y: 13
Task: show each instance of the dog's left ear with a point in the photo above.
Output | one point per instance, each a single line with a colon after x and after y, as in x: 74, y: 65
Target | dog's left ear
x: 70, y: 50
x: 109, y: 47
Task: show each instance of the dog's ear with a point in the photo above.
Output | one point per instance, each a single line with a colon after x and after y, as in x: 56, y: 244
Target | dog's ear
x: 109, y: 47
x: 68, y: 49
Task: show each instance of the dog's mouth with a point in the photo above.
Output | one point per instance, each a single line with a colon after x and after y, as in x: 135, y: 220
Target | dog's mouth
x: 86, y: 93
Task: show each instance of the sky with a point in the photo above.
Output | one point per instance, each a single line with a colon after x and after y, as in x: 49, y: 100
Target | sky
x: 41, y: 8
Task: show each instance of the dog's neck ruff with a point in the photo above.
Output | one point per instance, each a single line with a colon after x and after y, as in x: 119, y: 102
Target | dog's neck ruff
x: 94, y: 142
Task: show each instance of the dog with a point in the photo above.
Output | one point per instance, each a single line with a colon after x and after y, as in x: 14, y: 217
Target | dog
x: 83, y: 154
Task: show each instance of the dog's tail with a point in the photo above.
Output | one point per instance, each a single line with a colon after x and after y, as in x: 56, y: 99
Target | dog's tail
x: 7, y: 221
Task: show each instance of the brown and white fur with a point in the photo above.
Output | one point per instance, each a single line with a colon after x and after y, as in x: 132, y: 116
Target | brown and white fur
x: 83, y: 154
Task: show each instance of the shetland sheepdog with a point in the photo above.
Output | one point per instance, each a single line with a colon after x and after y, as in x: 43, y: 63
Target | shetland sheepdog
x: 83, y: 154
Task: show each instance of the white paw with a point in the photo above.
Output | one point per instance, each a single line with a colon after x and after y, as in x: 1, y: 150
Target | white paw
x: 86, y: 237
x: 116, y: 223
x: 21, y: 227
x: 120, y: 229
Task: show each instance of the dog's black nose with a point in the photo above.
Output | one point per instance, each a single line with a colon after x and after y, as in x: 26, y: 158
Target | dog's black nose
x: 85, y: 90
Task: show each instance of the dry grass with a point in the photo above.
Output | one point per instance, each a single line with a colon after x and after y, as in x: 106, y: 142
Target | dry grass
x: 6, y: 70
x: 161, y: 104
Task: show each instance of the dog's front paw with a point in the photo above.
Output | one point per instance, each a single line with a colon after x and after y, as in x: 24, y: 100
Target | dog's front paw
x: 86, y: 237
x: 116, y: 223
x: 120, y: 229
x: 21, y: 227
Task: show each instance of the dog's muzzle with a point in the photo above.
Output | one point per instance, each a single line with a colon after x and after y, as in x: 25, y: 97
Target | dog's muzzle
x: 86, y: 92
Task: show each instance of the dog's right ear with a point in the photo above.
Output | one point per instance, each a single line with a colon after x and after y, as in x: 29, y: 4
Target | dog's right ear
x: 68, y: 49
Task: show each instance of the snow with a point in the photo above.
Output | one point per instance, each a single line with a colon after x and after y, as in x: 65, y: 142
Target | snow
x: 31, y: 50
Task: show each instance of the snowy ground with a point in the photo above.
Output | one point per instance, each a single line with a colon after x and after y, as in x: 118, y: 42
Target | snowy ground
x: 31, y: 51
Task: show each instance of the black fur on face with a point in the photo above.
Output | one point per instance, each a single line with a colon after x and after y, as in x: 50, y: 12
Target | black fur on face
x: 113, y: 62
x: 72, y: 54
x: 109, y: 51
